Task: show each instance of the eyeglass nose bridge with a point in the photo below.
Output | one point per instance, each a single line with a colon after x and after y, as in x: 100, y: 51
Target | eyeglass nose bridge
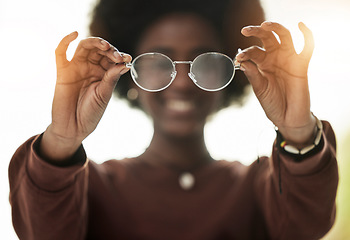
x: 182, y: 62
x: 190, y: 74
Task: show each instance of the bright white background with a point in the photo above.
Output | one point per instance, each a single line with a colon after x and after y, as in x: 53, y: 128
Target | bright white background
x: 31, y: 30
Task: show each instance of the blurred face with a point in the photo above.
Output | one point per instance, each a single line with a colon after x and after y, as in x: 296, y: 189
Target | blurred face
x: 180, y: 110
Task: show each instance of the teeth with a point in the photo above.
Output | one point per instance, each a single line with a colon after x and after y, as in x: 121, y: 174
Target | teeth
x: 180, y: 105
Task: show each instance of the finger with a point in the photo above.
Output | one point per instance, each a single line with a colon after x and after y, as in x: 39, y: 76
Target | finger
x: 126, y: 57
x: 254, y: 76
x: 113, y: 54
x: 109, y: 81
x: 106, y: 59
x: 309, y: 43
x: 282, y: 32
x: 88, y: 44
x: 95, y: 56
x: 106, y: 63
x: 61, y: 57
x: 254, y: 54
x: 268, y: 39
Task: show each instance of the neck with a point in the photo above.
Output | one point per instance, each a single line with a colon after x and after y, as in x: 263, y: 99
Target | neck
x: 183, y: 153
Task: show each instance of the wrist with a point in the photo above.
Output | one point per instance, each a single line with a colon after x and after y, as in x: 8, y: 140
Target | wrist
x: 301, y: 148
x: 56, y: 148
x: 300, y: 137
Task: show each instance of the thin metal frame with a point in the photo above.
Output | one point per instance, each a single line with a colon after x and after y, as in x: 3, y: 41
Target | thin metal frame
x: 174, y: 72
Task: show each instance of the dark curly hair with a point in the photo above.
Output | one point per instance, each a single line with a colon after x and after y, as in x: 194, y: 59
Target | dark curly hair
x: 122, y: 22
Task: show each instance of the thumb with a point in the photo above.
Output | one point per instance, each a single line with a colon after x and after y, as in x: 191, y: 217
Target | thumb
x: 254, y: 76
x: 109, y: 81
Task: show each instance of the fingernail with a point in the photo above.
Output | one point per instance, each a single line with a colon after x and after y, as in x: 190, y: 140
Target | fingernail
x: 124, y: 71
x: 268, y: 23
x: 248, y: 29
x: 103, y: 43
x: 117, y: 54
x: 123, y: 55
x: 242, y: 68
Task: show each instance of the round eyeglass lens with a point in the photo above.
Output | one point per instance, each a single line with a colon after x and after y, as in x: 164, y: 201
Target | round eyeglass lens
x: 212, y: 71
x: 152, y: 71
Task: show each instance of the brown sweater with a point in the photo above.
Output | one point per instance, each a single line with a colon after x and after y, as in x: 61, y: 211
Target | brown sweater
x: 274, y: 198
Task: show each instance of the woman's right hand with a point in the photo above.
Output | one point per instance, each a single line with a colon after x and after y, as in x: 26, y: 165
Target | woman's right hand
x: 83, y: 89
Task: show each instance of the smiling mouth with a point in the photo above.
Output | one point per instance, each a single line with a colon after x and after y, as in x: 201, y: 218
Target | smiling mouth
x: 180, y: 105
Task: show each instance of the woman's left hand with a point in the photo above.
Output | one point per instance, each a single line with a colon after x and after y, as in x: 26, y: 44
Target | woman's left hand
x: 279, y: 79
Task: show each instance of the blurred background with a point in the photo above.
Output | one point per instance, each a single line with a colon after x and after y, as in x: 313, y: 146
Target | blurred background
x: 31, y: 30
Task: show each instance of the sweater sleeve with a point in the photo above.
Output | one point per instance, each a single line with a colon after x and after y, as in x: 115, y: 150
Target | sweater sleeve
x: 48, y: 202
x: 297, y: 199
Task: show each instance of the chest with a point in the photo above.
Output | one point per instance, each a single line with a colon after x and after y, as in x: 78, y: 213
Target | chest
x: 152, y: 205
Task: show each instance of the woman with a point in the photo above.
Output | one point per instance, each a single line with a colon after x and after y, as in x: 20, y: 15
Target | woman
x: 175, y: 190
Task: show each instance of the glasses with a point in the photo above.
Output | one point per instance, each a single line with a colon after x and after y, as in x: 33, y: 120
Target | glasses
x: 210, y: 71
